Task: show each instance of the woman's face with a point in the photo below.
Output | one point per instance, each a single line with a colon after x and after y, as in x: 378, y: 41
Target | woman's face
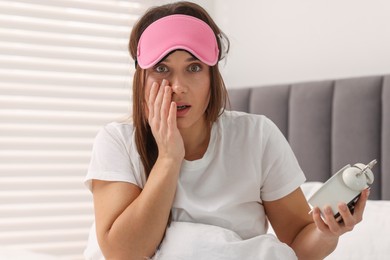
x: 189, y: 79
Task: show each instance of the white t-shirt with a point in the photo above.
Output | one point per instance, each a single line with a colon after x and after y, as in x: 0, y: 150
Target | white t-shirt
x: 248, y: 160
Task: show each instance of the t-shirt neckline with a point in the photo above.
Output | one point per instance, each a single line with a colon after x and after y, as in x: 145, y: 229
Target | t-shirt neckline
x: 204, y: 161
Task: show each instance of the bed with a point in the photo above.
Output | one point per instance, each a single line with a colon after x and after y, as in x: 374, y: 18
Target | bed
x: 191, y: 241
x: 331, y: 123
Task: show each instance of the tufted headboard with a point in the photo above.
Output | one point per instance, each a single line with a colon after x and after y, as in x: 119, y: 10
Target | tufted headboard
x: 329, y: 123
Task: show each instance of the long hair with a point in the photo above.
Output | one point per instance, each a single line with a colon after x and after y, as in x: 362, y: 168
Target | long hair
x: 145, y: 142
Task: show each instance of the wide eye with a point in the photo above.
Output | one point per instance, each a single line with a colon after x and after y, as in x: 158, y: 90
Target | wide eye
x: 194, y: 68
x: 161, y: 68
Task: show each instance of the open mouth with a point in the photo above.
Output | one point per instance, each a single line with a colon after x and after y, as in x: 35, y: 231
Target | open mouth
x: 182, y: 107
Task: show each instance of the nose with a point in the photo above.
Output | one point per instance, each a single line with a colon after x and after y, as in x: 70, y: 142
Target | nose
x: 178, y: 84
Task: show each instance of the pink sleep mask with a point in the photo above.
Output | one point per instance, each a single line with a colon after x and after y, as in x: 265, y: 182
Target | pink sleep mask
x: 177, y: 32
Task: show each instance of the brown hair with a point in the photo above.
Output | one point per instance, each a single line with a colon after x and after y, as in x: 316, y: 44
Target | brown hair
x: 144, y: 139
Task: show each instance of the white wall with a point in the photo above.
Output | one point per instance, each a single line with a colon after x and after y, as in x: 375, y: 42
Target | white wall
x: 278, y: 41
x: 206, y: 4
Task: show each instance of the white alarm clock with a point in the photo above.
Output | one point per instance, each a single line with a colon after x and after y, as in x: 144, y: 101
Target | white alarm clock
x: 344, y: 186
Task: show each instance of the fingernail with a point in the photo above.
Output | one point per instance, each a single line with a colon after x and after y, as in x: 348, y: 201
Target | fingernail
x: 328, y: 210
x: 343, y: 207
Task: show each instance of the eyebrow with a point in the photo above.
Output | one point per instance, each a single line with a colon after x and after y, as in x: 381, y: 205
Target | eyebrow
x: 192, y: 58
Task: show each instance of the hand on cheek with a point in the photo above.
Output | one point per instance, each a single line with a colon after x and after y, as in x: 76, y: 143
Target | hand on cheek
x: 162, y: 121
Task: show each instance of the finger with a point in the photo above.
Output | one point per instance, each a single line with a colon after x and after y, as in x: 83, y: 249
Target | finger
x: 346, y: 215
x: 166, y: 103
x: 151, y: 98
x: 333, y: 225
x: 158, y: 100
x: 172, y: 116
x: 318, y: 220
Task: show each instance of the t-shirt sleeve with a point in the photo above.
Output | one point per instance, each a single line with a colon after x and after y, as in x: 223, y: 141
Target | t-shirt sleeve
x: 111, y: 159
x: 281, y: 171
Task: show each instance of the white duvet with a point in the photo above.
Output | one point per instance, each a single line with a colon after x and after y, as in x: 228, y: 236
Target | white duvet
x: 192, y: 241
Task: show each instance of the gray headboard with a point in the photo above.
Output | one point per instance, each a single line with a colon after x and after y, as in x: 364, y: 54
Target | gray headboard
x: 329, y: 123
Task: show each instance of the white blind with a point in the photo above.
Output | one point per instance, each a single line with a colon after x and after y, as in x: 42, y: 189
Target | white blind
x: 64, y: 72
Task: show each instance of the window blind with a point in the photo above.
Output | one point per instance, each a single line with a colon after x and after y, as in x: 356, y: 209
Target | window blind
x: 64, y: 73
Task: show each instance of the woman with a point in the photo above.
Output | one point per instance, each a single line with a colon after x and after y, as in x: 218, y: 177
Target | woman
x: 185, y: 159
